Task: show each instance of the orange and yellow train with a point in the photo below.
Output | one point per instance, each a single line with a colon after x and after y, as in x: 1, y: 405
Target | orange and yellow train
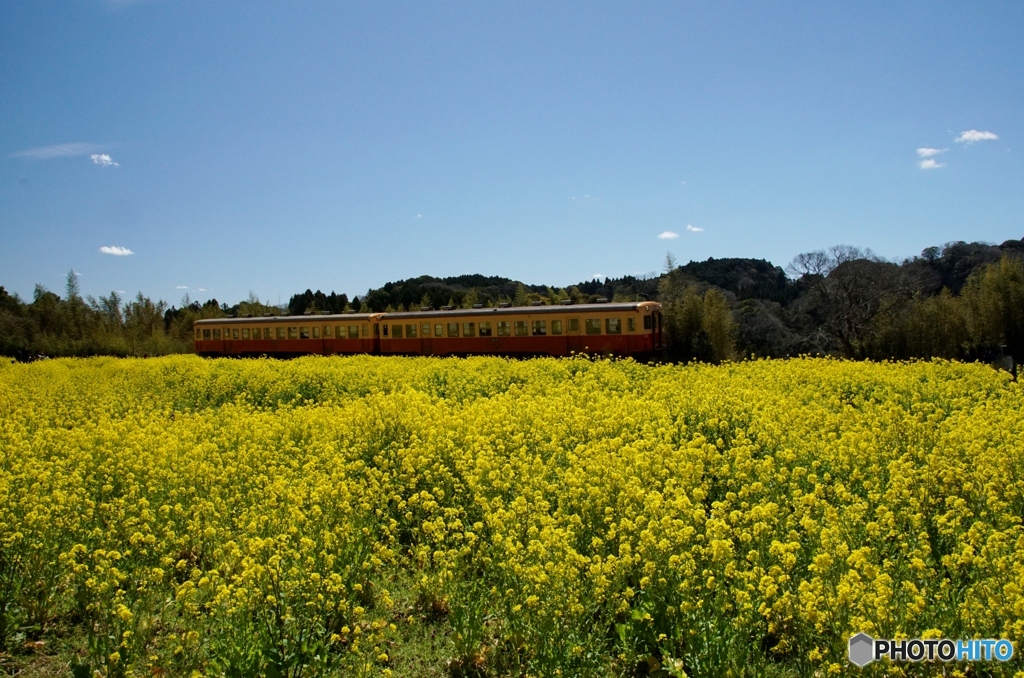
x: 623, y: 329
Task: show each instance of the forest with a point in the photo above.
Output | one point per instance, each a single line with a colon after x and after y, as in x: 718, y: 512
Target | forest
x: 960, y: 301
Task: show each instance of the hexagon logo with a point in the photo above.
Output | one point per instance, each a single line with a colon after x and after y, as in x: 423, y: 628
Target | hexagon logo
x: 862, y: 649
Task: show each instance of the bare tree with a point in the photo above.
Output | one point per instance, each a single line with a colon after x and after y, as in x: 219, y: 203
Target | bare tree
x: 848, y: 290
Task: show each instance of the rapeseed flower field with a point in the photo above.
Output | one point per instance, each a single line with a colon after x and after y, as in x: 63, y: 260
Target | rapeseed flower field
x: 180, y: 516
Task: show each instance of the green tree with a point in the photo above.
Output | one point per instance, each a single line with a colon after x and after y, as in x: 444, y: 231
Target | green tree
x: 719, y: 326
x: 470, y: 298
x: 109, y: 309
x: 252, y: 306
x: 15, y: 327
x: 144, y: 326
x: 671, y: 263
x: 576, y: 296
x: 522, y: 296
x: 927, y: 327
x: 994, y: 297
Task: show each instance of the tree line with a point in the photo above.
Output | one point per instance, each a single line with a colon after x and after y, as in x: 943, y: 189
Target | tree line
x: 960, y: 301
x: 79, y: 326
x: 963, y: 301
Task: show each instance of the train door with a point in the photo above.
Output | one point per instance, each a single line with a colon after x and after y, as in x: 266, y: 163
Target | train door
x: 375, y: 339
x: 656, y: 317
x: 574, y: 332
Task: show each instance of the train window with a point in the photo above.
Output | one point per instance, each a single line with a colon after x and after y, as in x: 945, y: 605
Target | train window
x: 293, y: 332
x: 303, y: 333
x: 521, y: 328
x: 485, y: 329
x: 426, y: 329
x: 206, y: 334
x: 376, y: 329
x: 316, y: 331
x: 540, y: 328
x: 385, y: 329
x: 647, y: 322
x: 631, y: 324
x: 353, y: 331
x: 438, y: 330
x: 504, y: 328
x: 574, y: 325
x: 593, y: 326
x: 199, y: 333
x: 556, y: 327
x: 266, y: 333
x: 216, y: 334
x: 469, y: 329
x: 366, y: 330
x: 327, y: 330
x: 245, y: 333
x: 410, y: 331
x: 396, y: 331
x: 453, y: 329
x: 613, y: 325
x: 280, y: 333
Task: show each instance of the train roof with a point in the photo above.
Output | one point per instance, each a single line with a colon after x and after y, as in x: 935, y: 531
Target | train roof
x: 290, y: 319
x: 633, y: 306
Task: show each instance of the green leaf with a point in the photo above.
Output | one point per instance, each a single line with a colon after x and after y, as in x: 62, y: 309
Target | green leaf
x: 621, y: 629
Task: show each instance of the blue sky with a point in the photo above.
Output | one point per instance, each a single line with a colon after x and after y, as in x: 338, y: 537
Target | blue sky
x: 270, y: 147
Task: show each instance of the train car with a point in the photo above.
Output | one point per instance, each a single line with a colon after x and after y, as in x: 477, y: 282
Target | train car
x: 289, y: 335
x: 623, y: 329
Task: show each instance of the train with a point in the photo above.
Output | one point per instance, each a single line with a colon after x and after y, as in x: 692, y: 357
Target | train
x: 632, y: 329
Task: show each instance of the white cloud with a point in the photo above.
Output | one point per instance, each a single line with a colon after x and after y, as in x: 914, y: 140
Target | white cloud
x: 200, y: 289
x: 694, y: 229
x: 930, y: 164
x: 972, y: 135
x: 419, y: 216
x: 57, y: 151
x: 667, y: 235
x: 929, y: 152
x: 181, y: 287
x: 600, y: 276
x: 116, y: 251
x: 103, y: 160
